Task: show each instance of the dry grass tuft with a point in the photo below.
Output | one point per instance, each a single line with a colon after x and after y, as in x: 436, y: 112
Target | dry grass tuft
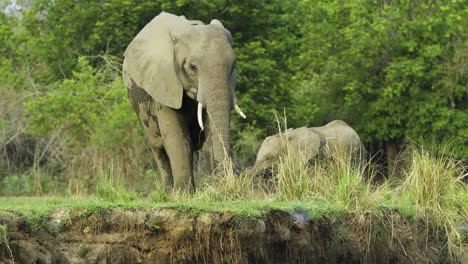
x: 434, y: 185
x: 230, y: 185
x: 334, y: 177
x: 112, y: 188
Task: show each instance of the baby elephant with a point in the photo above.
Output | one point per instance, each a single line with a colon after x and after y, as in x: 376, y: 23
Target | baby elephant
x: 306, y: 143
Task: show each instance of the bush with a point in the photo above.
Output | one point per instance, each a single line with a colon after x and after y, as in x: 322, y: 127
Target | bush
x: 16, y: 185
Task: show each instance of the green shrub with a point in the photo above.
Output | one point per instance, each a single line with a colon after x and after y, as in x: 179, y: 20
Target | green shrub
x: 245, y: 144
x: 33, y: 182
x: 17, y: 185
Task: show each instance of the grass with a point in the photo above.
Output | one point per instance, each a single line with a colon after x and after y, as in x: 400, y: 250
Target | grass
x: 4, y: 239
x: 110, y: 189
x: 334, y: 177
x: 432, y: 179
x: 293, y: 181
x: 430, y: 189
x: 46, y: 205
x: 433, y: 184
x: 230, y: 186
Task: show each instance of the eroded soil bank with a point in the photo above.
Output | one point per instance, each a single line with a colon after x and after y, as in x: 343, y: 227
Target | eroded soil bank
x: 164, y: 235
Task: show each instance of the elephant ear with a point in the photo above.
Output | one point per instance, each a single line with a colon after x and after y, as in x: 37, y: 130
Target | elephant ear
x: 150, y: 61
x: 218, y: 23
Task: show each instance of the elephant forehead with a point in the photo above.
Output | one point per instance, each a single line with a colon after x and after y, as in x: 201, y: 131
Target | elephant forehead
x: 205, y: 34
x: 209, y: 31
x: 214, y: 39
x: 270, y: 147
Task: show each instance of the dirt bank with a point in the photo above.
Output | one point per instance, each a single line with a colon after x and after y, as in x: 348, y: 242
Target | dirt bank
x: 163, y: 235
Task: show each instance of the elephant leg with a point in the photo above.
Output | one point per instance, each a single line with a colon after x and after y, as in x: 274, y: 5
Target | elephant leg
x: 178, y: 146
x: 154, y: 137
x: 164, y: 166
x: 145, y: 107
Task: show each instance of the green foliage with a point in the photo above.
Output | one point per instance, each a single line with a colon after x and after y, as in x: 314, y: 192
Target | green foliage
x: 246, y: 144
x: 64, y: 29
x: 86, y: 106
x: 17, y: 185
x: 11, y: 52
x: 32, y: 181
x: 394, y: 69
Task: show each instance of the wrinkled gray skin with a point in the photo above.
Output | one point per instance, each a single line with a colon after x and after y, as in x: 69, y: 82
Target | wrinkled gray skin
x: 170, y: 68
x: 307, y: 143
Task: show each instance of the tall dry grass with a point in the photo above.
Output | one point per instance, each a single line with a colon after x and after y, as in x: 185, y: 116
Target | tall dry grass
x: 231, y: 185
x: 110, y: 186
x: 334, y: 176
x: 434, y: 184
x: 291, y: 176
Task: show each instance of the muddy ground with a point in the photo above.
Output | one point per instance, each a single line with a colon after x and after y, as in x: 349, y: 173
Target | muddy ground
x: 164, y: 235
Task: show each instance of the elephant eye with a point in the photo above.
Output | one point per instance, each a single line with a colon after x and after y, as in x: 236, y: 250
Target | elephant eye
x: 193, y: 67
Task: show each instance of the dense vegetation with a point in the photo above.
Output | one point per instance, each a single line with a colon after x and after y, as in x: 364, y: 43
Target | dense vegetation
x: 396, y: 71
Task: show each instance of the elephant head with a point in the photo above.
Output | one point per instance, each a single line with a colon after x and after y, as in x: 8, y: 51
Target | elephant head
x: 174, y: 58
x: 302, y: 143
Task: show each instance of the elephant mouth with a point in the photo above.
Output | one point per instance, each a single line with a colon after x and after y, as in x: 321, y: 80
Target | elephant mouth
x: 191, y: 92
x: 200, y: 114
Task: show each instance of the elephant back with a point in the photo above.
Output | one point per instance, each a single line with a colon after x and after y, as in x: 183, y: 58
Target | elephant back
x: 339, y: 136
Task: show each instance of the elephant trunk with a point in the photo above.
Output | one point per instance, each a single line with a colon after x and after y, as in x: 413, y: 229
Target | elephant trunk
x: 218, y: 106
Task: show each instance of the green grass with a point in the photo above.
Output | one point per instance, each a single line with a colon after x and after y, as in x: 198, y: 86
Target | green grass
x: 110, y: 189
x: 46, y: 205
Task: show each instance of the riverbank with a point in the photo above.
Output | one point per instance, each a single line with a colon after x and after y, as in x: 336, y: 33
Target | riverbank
x: 64, y: 230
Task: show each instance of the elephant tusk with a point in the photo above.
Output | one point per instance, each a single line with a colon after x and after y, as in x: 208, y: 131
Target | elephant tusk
x: 200, y: 116
x: 240, y: 111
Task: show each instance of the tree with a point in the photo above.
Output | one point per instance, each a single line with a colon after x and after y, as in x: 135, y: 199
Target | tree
x: 391, y: 68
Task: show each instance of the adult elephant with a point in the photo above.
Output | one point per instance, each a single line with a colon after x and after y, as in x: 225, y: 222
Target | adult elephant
x: 306, y: 143
x: 180, y: 76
